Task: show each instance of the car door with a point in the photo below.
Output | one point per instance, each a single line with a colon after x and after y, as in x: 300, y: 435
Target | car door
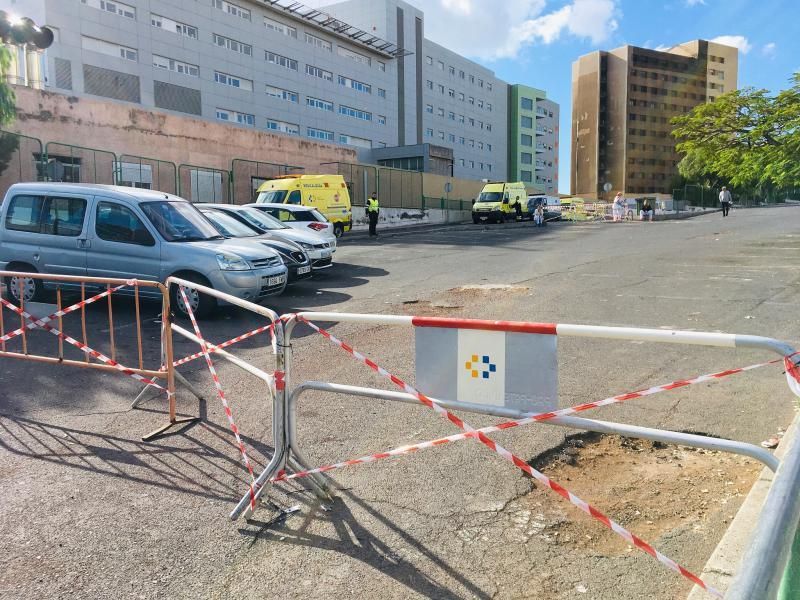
x: 122, y: 244
x: 62, y: 239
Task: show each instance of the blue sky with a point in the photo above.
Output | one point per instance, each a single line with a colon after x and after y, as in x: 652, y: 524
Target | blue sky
x: 535, y: 41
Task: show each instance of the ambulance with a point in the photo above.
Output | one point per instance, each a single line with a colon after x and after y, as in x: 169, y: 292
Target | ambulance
x: 497, y: 202
x: 327, y: 193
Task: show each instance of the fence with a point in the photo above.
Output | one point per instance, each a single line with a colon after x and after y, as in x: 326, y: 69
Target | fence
x: 248, y: 175
x: 78, y: 164
x: 21, y: 159
x: 704, y: 197
x: 149, y: 173
x: 204, y: 184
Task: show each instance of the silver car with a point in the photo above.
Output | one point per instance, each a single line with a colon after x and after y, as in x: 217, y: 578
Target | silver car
x: 123, y: 232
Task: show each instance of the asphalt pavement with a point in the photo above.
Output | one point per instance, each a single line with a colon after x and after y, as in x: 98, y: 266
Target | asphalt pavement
x: 89, y: 511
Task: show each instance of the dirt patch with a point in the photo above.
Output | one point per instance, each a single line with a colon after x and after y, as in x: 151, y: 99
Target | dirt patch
x: 427, y: 308
x: 650, y: 488
x: 488, y: 288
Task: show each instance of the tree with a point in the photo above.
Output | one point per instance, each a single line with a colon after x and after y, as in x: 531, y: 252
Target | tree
x: 7, y: 98
x: 747, y: 138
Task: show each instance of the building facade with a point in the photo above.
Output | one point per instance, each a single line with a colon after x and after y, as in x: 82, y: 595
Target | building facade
x: 533, y: 138
x: 622, y: 104
x: 358, y: 73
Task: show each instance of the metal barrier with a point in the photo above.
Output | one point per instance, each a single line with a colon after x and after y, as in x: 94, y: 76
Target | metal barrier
x: 30, y: 285
x: 149, y: 173
x: 509, y: 404
x: 21, y: 159
x: 204, y: 184
x: 77, y: 164
x: 248, y: 175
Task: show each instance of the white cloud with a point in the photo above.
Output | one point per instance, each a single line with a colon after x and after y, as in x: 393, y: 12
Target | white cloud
x: 737, y: 41
x: 491, y: 29
x: 694, y: 2
x: 769, y: 49
x: 662, y: 48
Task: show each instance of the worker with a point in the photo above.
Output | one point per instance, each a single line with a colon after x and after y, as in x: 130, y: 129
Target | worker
x: 373, y: 209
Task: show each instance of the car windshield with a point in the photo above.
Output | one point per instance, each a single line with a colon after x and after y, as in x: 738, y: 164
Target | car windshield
x: 271, y: 197
x: 179, y: 221
x: 228, y: 225
x: 301, y: 215
x: 490, y: 197
x: 260, y: 219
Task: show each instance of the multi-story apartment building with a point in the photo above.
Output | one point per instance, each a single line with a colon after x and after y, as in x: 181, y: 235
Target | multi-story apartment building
x: 359, y: 73
x: 533, y: 138
x: 622, y: 104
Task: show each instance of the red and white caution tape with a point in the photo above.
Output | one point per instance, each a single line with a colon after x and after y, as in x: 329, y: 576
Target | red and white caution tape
x: 792, y: 375
x: 215, y: 347
x: 541, y: 477
x: 81, y: 346
x: 221, y: 394
x: 64, y: 311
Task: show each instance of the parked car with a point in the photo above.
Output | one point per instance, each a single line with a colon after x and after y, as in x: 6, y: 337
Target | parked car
x: 324, y: 242
x: 293, y: 256
x: 127, y: 233
x: 301, y: 218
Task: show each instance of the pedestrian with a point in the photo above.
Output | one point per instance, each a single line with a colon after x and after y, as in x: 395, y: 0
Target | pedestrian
x: 373, y: 210
x: 518, y: 209
x: 538, y: 215
x: 647, y: 211
x: 618, y: 207
x: 725, y: 201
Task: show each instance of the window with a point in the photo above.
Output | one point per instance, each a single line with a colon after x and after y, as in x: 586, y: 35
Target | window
x: 451, y: 116
x: 319, y: 104
x: 429, y: 60
x: 472, y: 100
x: 452, y: 71
x: 526, y: 176
x: 428, y: 132
x: 381, y: 93
x: 480, y: 103
x: 451, y: 92
x: 283, y: 127
x: 173, y: 26
x: 461, y: 96
x: 317, y: 72
x: 381, y: 119
x: 488, y: 127
x: 440, y: 112
x: 177, y: 66
x: 25, y: 213
x: 117, y: 223
x: 480, y: 145
x: 233, y: 116
x: 441, y: 135
x: 461, y: 74
x: 320, y: 134
x: 319, y: 42
x: 480, y: 83
x: 359, y: 58
x: 461, y: 140
x: 472, y: 78
x: 460, y: 162
x: 279, y: 27
x: 489, y: 106
x: 429, y: 84
x: 356, y: 85
x: 489, y: 87
x: 440, y: 65
x: 451, y: 137
x: 233, y: 45
x: 109, y: 49
x: 472, y: 122
x: 526, y: 122
x: 429, y: 109
x: 440, y: 87
x: 460, y: 118
x: 355, y: 113
x: 472, y: 143
x: 525, y: 140
x: 489, y: 167
x: 352, y: 140
x: 526, y: 103
x: 489, y: 147
x: 281, y: 61
x: 118, y: 8
x: 233, y: 81
x: 472, y: 164
x: 526, y: 158
x: 232, y: 9
x: 282, y: 94
x: 381, y: 66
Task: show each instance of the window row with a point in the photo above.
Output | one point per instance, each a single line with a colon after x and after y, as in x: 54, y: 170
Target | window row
x: 284, y: 127
x: 461, y: 96
x: 666, y: 92
x: 462, y: 141
x: 669, y: 78
x: 458, y: 118
x: 461, y: 74
x: 471, y: 164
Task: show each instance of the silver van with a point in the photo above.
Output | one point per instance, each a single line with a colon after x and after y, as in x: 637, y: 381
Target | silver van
x: 123, y: 232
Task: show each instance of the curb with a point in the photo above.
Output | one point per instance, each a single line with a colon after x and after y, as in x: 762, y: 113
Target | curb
x: 723, y: 565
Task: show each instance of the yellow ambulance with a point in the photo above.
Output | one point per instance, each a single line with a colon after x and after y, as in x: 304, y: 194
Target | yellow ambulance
x: 500, y: 201
x: 327, y: 193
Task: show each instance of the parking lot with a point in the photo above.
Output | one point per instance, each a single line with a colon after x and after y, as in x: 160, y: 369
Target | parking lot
x: 90, y: 511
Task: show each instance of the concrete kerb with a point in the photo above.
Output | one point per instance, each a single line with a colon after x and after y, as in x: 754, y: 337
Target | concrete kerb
x: 723, y: 565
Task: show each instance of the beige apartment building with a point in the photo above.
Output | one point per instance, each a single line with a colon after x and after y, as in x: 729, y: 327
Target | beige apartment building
x: 622, y: 104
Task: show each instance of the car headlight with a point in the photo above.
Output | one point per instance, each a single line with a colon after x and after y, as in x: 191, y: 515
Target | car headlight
x: 306, y: 245
x: 231, y: 262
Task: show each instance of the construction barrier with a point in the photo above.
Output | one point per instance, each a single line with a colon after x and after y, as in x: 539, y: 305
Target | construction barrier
x: 24, y: 285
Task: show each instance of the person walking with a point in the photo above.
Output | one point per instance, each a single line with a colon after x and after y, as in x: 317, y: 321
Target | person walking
x: 618, y: 207
x: 373, y: 209
x: 725, y: 201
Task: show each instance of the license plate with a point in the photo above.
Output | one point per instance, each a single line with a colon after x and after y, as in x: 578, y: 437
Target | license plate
x: 277, y: 280
x: 303, y: 270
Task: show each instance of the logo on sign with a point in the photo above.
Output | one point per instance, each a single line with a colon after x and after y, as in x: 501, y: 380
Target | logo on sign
x: 336, y: 197
x: 480, y: 367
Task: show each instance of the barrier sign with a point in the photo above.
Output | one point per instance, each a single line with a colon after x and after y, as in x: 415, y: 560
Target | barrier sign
x: 497, y: 364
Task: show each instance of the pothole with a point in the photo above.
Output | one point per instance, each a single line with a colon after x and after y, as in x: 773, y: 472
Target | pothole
x: 651, y: 488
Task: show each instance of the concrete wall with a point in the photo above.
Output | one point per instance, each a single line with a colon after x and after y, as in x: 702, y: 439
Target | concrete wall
x: 123, y: 128
x: 391, y: 218
x: 463, y: 189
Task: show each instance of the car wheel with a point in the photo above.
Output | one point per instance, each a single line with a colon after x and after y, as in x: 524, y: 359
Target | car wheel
x: 202, y: 305
x: 338, y: 230
x: 476, y: 219
x: 25, y: 289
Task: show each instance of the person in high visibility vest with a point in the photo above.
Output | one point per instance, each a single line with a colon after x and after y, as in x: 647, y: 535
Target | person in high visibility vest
x: 373, y: 209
